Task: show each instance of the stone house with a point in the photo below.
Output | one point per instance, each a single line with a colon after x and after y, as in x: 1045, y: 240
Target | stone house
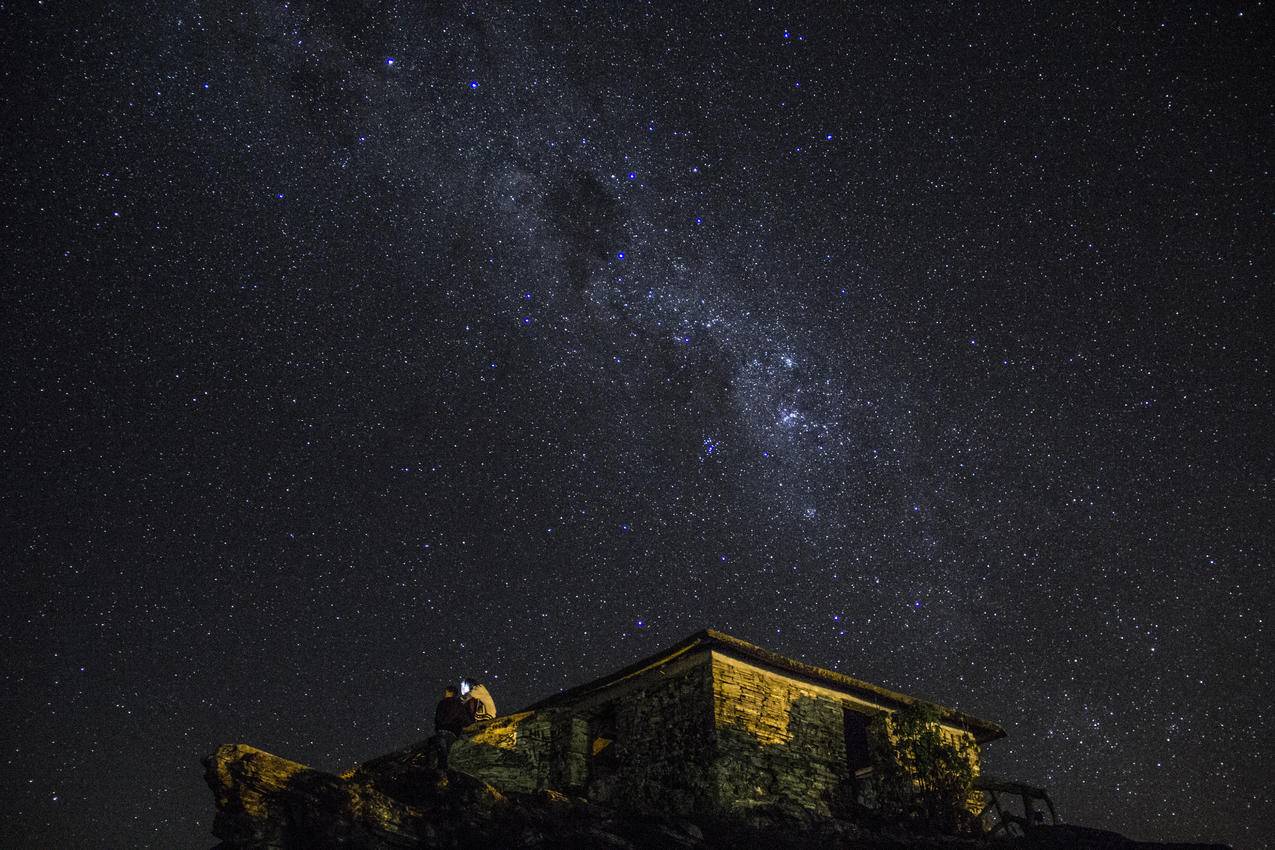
x: 712, y: 723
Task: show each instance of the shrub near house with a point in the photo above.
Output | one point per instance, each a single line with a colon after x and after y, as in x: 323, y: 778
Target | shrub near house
x: 921, y: 775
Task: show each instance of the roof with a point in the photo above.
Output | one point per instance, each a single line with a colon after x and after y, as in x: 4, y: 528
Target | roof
x: 713, y: 640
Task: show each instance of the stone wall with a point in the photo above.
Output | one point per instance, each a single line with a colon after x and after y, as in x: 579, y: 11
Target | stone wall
x: 644, y: 744
x: 782, y: 740
x: 779, y: 740
x: 663, y: 742
x: 704, y: 732
x: 569, y: 766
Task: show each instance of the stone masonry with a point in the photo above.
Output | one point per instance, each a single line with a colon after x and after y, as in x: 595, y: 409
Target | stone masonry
x: 714, y: 724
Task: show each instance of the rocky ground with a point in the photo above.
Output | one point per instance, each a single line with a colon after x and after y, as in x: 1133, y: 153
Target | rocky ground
x: 265, y: 802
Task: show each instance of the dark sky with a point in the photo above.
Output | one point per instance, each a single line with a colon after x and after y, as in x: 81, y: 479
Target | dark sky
x: 350, y: 348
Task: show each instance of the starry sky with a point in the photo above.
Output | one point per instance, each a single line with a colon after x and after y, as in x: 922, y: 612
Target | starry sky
x: 349, y: 348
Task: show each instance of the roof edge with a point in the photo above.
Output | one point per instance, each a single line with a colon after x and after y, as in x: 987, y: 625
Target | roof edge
x: 692, y: 643
x: 984, y: 731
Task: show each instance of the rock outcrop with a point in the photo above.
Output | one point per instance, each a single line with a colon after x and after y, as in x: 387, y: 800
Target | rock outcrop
x: 399, y: 800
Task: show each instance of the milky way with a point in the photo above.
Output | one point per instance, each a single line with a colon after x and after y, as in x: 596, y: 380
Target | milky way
x: 352, y: 348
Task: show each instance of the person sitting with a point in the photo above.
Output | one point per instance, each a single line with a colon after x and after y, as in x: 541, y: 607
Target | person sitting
x: 451, y: 716
x: 478, y: 698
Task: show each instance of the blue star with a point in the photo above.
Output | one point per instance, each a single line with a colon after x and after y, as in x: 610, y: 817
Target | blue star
x: 389, y: 60
x: 619, y: 255
x: 699, y: 220
x: 632, y: 175
x: 473, y: 84
x: 527, y: 320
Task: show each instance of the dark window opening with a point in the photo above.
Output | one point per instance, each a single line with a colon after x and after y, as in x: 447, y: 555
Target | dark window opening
x: 858, y: 755
x: 602, y: 751
x: 602, y: 756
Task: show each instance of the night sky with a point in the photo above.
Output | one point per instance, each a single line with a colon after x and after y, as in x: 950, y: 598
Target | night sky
x: 349, y: 349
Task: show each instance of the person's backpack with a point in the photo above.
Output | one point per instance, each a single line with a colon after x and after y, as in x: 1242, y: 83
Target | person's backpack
x: 477, y: 709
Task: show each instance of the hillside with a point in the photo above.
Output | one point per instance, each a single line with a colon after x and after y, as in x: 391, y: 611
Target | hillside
x: 265, y: 802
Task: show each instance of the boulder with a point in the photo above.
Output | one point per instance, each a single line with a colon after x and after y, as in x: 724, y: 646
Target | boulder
x: 400, y: 800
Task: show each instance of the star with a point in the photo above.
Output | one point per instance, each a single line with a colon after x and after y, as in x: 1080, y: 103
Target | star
x: 981, y: 377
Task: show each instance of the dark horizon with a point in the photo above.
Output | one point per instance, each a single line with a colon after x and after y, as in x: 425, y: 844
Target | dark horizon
x: 353, y: 348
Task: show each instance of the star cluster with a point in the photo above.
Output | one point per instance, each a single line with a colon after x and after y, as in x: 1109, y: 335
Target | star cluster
x: 351, y: 348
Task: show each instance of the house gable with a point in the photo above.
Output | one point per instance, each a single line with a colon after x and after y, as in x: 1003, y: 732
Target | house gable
x: 711, y: 722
